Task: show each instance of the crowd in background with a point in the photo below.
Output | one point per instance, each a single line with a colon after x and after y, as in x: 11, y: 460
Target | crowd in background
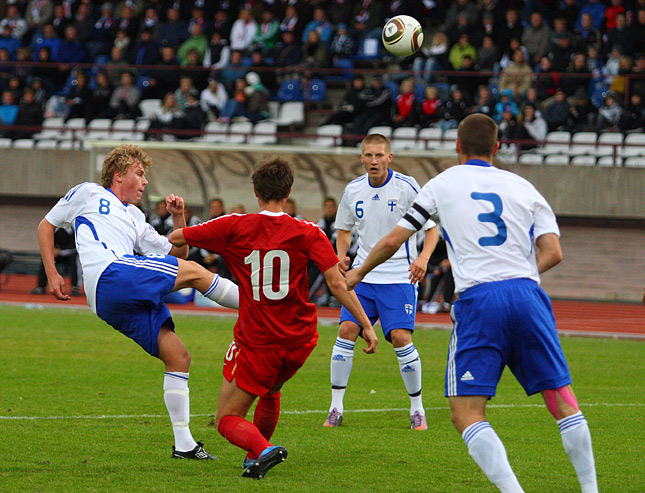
x: 534, y: 66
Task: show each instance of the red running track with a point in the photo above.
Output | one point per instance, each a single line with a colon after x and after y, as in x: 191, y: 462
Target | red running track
x: 585, y: 318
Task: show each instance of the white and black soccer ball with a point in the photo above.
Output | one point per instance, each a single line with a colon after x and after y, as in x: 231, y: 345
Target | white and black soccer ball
x: 402, y: 35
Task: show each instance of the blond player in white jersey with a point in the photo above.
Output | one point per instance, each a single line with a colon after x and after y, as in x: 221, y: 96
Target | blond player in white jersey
x: 128, y: 268
x: 501, y: 235
x: 371, y: 205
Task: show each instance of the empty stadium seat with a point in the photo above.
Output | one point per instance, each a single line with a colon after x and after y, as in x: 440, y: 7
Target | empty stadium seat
x: 290, y: 90
x: 404, y: 138
x: 123, y: 130
x: 583, y: 160
x: 429, y: 138
x: 557, y: 160
x: 583, y: 143
x: 328, y: 136
x: 214, y: 132
x: 141, y: 128
x: 238, y: 132
x: 74, y: 129
x: 149, y: 107
x: 610, y: 161
x: 448, y: 139
x: 5, y: 143
x: 46, y: 144
x: 384, y: 130
x: 556, y: 142
x: 51, y: 128
x: 609, y: 143
x: 633, y: 145
x: 531, y: 158
x: 316, y: 90
x: 264, y: 133
x: 634, y: 162
x: 291, y: 113
x: 274, y: 109
x: 23, y: 143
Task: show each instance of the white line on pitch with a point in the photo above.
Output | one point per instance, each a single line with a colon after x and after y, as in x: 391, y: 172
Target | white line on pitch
x: 312, y: 411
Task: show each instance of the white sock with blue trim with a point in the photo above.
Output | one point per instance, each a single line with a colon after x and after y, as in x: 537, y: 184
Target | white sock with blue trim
x: 576, y: 440
x: 488, y: 451
x: 223, y: 292
x: 175, y: 395
x: 410, y: 368
x: 342, y: 359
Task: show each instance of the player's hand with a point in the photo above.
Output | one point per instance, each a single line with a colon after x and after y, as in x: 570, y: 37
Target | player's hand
x: 370, y: 338
x: 417, y: 270
x: 352, y: 278
x: 343, y: 266
x: 57, y: 287
x: 175, y: 204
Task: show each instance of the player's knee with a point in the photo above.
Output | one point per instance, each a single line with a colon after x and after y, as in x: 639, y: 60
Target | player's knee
x: 348, y: 331
x: 401, y: 337
x: 561, y: 402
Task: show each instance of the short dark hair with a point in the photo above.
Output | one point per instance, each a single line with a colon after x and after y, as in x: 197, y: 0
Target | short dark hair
x: 272, y: 179
x: 477, y: 135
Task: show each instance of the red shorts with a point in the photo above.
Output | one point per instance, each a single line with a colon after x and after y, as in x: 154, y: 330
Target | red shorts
x: 259, y: 371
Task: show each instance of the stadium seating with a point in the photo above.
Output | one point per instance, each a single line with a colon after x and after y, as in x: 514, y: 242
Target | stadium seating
x: 46, y: 144
x: 264, y: 133
x: 610, y: 161
x: 583, y: 160
x: 448, y: 140
x: 124, y: 130
x: 238, y: 132
x: 429, y: 138
x: 633, y: 145
x: 316, y: 91
x: 531, y: 158
x: 23, y: 143
x: 556, y: 142
x: 292, y: 113
x: 99, y: 129
x: 635, y: 162
x: 214, y: 132
x: 290, y: 90
x: 404, y: 138
x: 5, y: 143
x: 274, y: 109
x: 74, y: 129
x: 141, y: 128
x: 384, y: 130
x: 51, y: 128
x: 583, y: 143
x: 607, y: 143
x: 149, y: 107
x: 557, y: 160
x: 327, y: 136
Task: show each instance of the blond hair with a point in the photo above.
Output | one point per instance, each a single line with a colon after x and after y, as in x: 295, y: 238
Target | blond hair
x: 119, y: 160
x: 376, y: 139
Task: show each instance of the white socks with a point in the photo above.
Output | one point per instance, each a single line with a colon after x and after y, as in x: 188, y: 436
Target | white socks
x: 489, y: 453
x: 410, y: 368
x: 576, y: 440
x: 175, y: 395
x: 342, y: 358
x: 224, y: 292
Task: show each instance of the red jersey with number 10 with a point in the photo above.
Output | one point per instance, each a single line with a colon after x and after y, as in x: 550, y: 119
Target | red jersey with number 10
x: 268, y: 253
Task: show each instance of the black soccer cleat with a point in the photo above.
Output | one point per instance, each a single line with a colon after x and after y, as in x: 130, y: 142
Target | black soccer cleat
x: 272, y: 456
x: 198, y: 453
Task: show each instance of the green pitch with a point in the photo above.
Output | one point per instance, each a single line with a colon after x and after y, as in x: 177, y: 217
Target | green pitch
x: 82, y: 409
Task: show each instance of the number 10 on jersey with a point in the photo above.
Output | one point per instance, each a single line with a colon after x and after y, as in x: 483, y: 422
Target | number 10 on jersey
x: 262, y: 273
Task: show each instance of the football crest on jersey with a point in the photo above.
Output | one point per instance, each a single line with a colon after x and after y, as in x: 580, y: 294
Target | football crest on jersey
x: 409, y: 309
x: 391, y: 204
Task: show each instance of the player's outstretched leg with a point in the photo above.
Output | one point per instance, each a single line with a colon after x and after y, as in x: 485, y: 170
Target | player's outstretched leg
x: 265, y: 418
x: 575, y: 434
x: 212, y: 286
x: 410, y: 368
x: 342, y: 358
x: 270, y: 457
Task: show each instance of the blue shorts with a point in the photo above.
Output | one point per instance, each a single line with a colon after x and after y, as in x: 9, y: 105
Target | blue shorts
x: 394, y: 304
x: 129, y: 297
x: 504, y: 323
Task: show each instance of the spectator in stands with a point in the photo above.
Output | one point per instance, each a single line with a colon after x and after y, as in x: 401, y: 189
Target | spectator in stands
x: 257, y: 98
x: 594, y: 62
x: 609, y: 114
x: 570, y: 11
x: 595, y: 10
x: 510, y: 128
x: 288, y: 52
x: 517, y: 77
x: 532, y: 97
x: 505, y: 103
x: 103, y: 32
x: 453, y: 111
x: 463, y: 26
x: 267, y: 34
x: 127, y: 21
x: 84, y: 23
x: 194, y: 117
x: 197, y: 41
x: 50, y: 77
x: 181, y: 94
x: 469, y: 81
x: 546, y: 78
x: 434, y: 58
x: 165, y: 78
x: 168, y: 116
x: 321, y: 25
x: 586, y: 34
x: 213, y: 98
x: 232, y: 72
x: 405, y: 105
x: 16, y: 23
x: 314, y: 52
x: 292, y: 22
x: 486, y: 28
x: 534, y: 124
x: 46, y: 38
x: 484, y: 102
x: 150, y: 22
x: 197, y: 17
x: 194, y: 67
x: 634, y: 116
x: 174, y: 31
x: 221, y: 24
x: 158, y: 219
x: 101, y: 94
x: 487, y: 55
x: 122, y: 40
x: 259, y: 64
x: 65, y: 256
x: 60, y: 21
x: 493, y: 10
x: 507, y: 57
x: 460, y: 7
x: 556, y: 114
x: 637, y: 81
x: 218, y: 52
x: 377, y: 101
x: 125, y: 98
x: 79, y: 100
x: 146, y: 51
x: 582, y: 114
x: 430, y: 108
x: 235, y: 105
x: 350, y: 106
x: 30, y: 113
x: 620, y: 35
x: 291, y: 208
x: 38, y: 13
x: 510, y: 29
x: 637, y: 28
x: 15, y: 86
x: 537, y: 38
x: 116, y: 65
x: 615, y: 7
x: 619, y: 84
x: 8, y: 110
x: 243, y: 31
x: 40, y: 95
x: 71, y: 50
x: 612, y: 65
x: 577, y: 75
x: 8, y: 42
x: 461, y: 49
x: 342, y: 44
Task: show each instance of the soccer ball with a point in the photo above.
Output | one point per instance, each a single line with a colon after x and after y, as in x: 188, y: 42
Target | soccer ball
x: 402, y: 35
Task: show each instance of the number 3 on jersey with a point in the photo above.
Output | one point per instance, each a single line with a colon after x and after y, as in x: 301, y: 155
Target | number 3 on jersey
x: 494, y: 217
x: 262, y: 273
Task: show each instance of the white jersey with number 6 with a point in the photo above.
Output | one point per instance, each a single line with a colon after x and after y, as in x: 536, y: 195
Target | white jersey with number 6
x: 490, y: 218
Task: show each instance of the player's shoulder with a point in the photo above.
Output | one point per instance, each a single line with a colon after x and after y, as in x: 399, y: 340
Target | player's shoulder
x: 405, y: 181
x: 81, y: 189
x: 357, y: 183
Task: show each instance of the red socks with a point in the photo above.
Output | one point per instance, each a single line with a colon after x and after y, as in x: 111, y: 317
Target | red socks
x: 265, y: 418
x: 243, y: 434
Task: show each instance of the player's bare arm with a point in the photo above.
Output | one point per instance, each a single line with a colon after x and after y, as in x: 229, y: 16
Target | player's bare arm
x: 46, y: 243
x: 420, y: 265
x: 343, y: 242
x: 350, y: 301
x: 175, y: 206
x: 382, y: 251
x: 549, y: 252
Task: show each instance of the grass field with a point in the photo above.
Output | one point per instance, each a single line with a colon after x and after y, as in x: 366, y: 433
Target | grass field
x: 81, y: 409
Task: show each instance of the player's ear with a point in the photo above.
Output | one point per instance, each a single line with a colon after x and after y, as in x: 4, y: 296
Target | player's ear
x: 458, y: 146
x: 496, y: 148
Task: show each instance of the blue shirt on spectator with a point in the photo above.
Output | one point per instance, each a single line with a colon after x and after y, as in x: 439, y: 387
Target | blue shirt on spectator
x: 40, y: 41
x: 8, y: 114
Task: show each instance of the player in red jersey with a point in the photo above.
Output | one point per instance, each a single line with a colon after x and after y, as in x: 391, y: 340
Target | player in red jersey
x: 276, y: 329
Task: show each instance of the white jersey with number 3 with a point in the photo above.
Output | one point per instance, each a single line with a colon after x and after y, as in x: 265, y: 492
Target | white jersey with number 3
x: 490, y: 218
x: 372, y: 212
x: 106, y: 229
